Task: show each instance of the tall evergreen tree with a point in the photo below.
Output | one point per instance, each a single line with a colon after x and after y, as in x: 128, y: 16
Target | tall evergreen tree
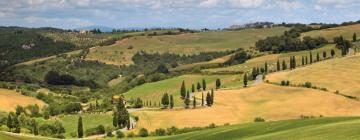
x: 294, y: 62
x: 187, y: 100
x: 212, y: 96
x: 198, y: 87
x: 302, y: 60
x: 128, y: 123
x: 115, y: 123
x: 202, y: 98
x: 284, y: 66
x: 171, y: 102
x: 203, y: 84
x: 306, y: 60
x: 122, y: 114
x: 332, y: 53
x: 16, y: 124
x: 192, y: 88
x: 208, y: 99
x: 218, y: 83
x: 317, y: 57
x: 183, y: 90
x: 165, y: 100
x: 278, y: 65
x: 311, y: 58
x: 194, y: 102
x: 254, y: 73
x: 324, y: 54
x: 35, y: 129
x: 354, y: 37
x: 291, y: 62
x: 266, y: 67
x: 245, y: 80
x: 80, y: 128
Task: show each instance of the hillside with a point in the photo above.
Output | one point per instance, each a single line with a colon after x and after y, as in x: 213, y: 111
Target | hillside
x: 9, y: 99
x: 238, y: 106
x: 191, y: 43
x: 329, y: 34
x: 335, y: 75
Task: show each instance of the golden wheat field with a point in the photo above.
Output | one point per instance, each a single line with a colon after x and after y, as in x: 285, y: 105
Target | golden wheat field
x: 9, y: 99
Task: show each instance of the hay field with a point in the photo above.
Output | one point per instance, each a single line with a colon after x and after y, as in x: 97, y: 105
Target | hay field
x: 191, y: 43
x: 338, y: 74
x: 329, y: 34
x: 268, y: 101
x: 10, y: 99
x: 271, y: 59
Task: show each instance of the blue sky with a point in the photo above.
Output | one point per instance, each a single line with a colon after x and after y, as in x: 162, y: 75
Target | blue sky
x: 172, y: 13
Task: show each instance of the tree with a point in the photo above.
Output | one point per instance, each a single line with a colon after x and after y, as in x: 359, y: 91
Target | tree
x: 218, y: 83
x: 203, y: 84
x: 171, y: 102
x: 198, y: 86
x: 332, y: 53
x: 115, y: 123
x: 284, y: 66
x: 194, y: 102
x: 122, y: 114
x: 9, y: 122
x: 311, y: 58
x: 16, y: 124
x: 317, y: 57
x: 212, y: 96
x: 165, y: 100
x: 294, y: 62
x: 202, y: 99
x: 278, y: 65
x: 245, y: 80
x: 302, y: 60
x: 19, y: 110
x: 208, y: 99
x: 183, y: 90
x: 324, y: 54
x: 192, y: 88
x: 162, y: 69
x: 35, y: 129
x: 266, y: 67
x: 80, y: 128
x: 354, y: 37
x: 128, y: 123
x: 254, y: 73
x: 187, y: 100
x: 306, y: 60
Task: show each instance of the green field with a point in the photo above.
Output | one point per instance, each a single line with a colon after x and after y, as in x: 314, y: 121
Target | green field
x: 89, y: 121
x: 329, y: 34
x: 309, y: 129
x: 12, y: 136
x: 271, y: 59
x: 154, y: 91
x: 190, y: 43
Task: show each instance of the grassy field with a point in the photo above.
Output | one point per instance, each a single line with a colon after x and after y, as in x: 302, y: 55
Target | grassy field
x: 192, y: 43
x: 337, y: 74
x: 271, y: 59
x: 11, y: 136
x: 9, y: 99
x: 154, y: 91
x: 329, y: 34
x: 89, y: 121
x: 310, y: 129
x: 243, y: 105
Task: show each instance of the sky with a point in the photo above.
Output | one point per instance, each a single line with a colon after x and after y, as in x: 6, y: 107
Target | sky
x: 194, y: 14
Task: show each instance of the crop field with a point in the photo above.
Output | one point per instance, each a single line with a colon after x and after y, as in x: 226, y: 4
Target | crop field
x: 154, y: 91
x: 329, y: 34
x: 268, y: 101
x: 9, y: 99
x: 191, y: 43
x: 271, y: 59
x: 337, y: 74
x: 345, y: 128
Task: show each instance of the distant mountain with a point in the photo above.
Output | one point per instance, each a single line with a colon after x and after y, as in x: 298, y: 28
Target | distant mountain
x: 102, y: 28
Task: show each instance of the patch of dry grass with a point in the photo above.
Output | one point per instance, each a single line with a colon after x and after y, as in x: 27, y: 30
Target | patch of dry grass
x: 346, y: 31
x: 9, y: 99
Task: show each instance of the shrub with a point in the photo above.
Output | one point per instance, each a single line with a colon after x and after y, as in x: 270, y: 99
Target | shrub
x: 259, y: 119
x: 95, y: 131
x: 143, y: 132
x: 120, y: 134
x: 308, y: 85
x: 73, y: 134
x: 283, y: 83
x: 130, y: 135
x: 160, y: 132
x: 172, y: 130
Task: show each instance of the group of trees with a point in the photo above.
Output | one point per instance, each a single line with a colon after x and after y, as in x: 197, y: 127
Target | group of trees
x: 121, y: 117
x: 167, y: 101
x: 54, y: 78
x: 185, y: 94
x: 343, y: 44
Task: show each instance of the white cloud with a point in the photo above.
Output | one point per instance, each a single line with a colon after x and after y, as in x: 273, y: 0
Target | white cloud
x: 289, y: 4
x: 246, y: 3
x: 209, y: 3
x: 58, y: 21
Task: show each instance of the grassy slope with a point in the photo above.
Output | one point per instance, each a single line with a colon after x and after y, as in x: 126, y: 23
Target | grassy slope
x: 310, y: 129
x: 338, y: 74
x: 9, y: 99
x: 271, y: 59
x: 346, y: 31
x: 154, y: 91
x: 181, y: 44
x: 9, y: 136
x: 243, y: 105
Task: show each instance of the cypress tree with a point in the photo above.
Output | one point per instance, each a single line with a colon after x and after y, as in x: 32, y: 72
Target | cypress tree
x: 278, y: 65
x: 208, y: 99
x: 306, y: 60
x: 204, y: 84
x: 187, y: 100
x: 266, y: 67
x: 194, y: 102
x: 35, y: 130
x: 294, y: 62
x: 218, y: 83
x: 245, y: 80
x: 16, y: 124
x: 202, y: 98
x: 198, y: 86
x: 171, y: 102
x: 284, y: 66
x: 122, y: 113
x: 291, y: 62
x: 254, y: 73
x: 128, y: 123
x: 354, y: 37
x: 192, y: 88
x: 80, y: 128
x: 183, y: 90
x: 311, y: 58
x: 165, y: 100
x: 317, y: 57
x: 115, y: 123
x: 324, y: 54
x: 212, y: 96
x: 302, y: 60
x: 332, y: 53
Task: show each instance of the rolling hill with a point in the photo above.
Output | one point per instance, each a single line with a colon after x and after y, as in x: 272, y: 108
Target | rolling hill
x: 9, y: 99
x: 329, y: 34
